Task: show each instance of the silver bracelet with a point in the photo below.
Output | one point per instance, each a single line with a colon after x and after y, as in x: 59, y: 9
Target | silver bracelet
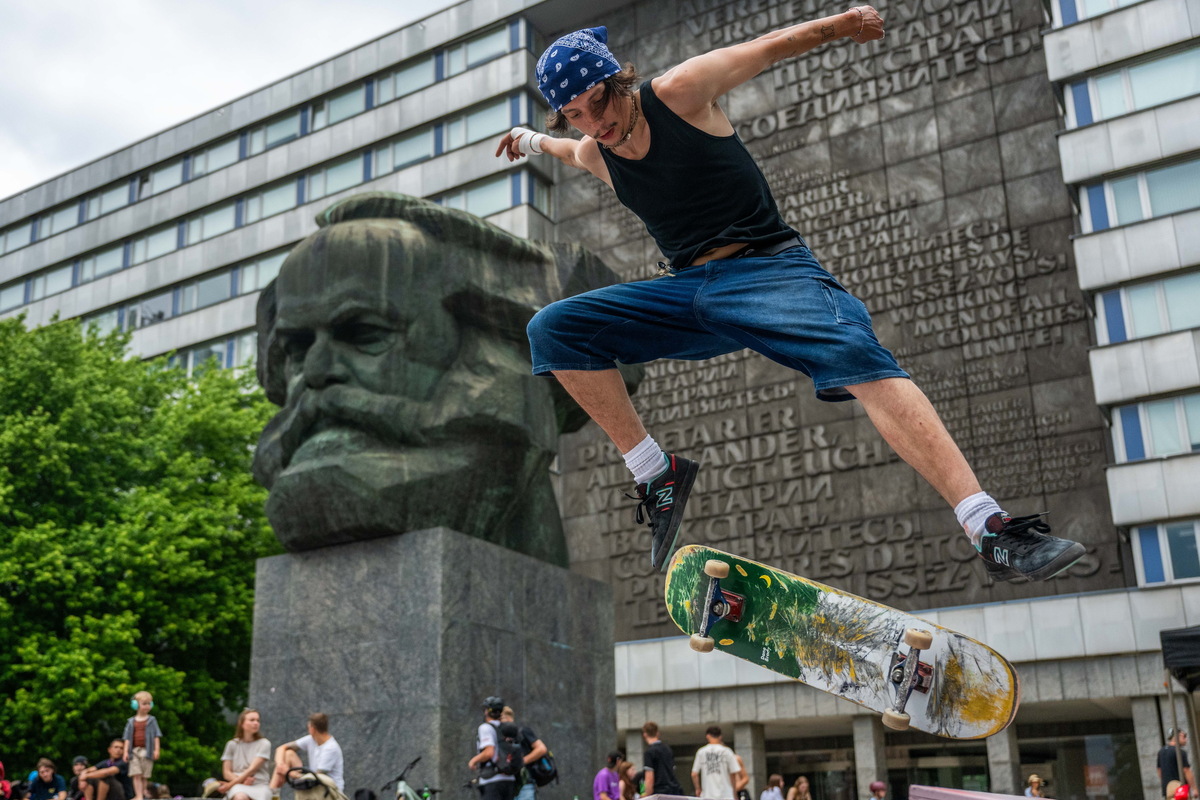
x: 862, y: 21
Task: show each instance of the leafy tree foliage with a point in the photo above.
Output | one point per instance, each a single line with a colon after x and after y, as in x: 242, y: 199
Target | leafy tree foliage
x: 129, y: 527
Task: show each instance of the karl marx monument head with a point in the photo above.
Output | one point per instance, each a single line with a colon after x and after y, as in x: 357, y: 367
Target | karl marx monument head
x: 394, y: 341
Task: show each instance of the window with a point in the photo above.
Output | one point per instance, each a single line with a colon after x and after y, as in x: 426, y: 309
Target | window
x: 403, y: 152
x: 335, y: 177
x: 158, y: 180
x: 212, y: 223
x: 1144, y: 195
x: 257, y: 274
x: 246, y: 350
x: 541, y: 196
x: 274, y: 133
x: 215, y: 157
x: 405, y: 80
x: 150, y: 310
x: 1157, y: 428
x: 197, y: 359
x: 105, y: 321
x: 52, y: 282
x: 12, y: 296
x: 1072, y: 11
x: 1145, y: 85
x: 206, y: 292
x: 16, y: 237
x: 339, y: 107
x: 108, y: 200
x: 271, y: 201
x: 1171, y: 304
x: 482, y: 199
x: 478, y: 124
x: 58, y: 221
x: 477, y: 50
x: 102, y: 263
x: 1167, y: 553
x: 154, y: 244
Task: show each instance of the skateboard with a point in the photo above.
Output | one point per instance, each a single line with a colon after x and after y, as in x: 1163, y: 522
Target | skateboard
x: 916, y: 674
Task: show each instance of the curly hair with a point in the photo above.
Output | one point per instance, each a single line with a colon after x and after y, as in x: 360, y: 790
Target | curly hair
x: 620, y: 85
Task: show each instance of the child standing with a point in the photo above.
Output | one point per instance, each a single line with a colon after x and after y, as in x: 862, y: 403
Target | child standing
x: 141, y: 743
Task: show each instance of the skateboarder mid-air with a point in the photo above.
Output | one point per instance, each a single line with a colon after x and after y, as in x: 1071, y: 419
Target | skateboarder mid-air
x: 737, y: 276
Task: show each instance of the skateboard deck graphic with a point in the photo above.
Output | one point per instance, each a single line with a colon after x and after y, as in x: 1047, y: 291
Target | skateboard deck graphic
x: 842, y: 644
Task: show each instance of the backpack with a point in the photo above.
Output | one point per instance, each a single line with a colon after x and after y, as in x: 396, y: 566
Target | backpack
x: 544, y: 770
x: 508, y: 756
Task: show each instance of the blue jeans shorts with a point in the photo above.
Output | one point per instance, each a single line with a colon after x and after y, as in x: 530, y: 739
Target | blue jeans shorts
x: 785, y: 306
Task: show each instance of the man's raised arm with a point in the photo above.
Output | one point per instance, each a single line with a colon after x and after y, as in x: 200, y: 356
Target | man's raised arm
x: 696, y: 84
x: 520, y: 142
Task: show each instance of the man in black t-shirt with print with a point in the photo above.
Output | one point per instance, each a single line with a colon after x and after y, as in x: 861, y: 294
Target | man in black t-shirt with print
x: 1168, y: 767
x: 660, y: 763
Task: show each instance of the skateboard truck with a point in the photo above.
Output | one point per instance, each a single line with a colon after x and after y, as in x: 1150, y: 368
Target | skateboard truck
x: 908, y: 673
x: 718, y: 604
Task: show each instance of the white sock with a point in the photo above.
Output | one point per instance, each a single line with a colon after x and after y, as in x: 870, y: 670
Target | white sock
x: 973, y: 512
x: 646, y: 460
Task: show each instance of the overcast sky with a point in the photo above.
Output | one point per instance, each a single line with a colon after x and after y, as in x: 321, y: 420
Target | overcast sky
x: 82, y: 78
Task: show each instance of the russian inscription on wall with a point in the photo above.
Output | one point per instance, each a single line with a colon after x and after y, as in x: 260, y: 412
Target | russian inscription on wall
x: 923, y: 172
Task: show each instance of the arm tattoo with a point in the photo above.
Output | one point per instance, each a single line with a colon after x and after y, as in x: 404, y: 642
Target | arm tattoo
x: 826, y: 32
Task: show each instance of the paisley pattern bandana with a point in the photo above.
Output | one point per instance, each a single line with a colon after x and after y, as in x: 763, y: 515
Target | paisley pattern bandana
x: 573, y: 64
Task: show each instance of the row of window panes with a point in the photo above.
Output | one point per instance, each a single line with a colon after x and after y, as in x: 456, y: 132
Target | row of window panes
x: 1167, y: 553
x: 408, y: 78
x: 1148, y: 309
x: 234, y: 351
x: 1150, y: 83
x: 1071, y: 11
x: 326, y: 180
x: 1157, y: 428
x: 192, y: 295
x: 1141, y: 196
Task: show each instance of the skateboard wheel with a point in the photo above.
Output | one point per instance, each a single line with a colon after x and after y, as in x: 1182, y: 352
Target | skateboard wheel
x: 918, y: 639
x: 896, y: 720
x: 701, y: 644
x: 714, y: 568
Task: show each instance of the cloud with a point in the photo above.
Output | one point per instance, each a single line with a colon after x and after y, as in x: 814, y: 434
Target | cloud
x: 79, y: 80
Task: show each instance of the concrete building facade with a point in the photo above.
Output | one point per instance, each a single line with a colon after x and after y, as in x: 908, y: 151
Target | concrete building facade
x: 1013, y: 191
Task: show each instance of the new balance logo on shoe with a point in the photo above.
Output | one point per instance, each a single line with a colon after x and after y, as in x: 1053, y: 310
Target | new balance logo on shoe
x: 664, y: 496
x: 1022, y: 547
x: 1000, y: 556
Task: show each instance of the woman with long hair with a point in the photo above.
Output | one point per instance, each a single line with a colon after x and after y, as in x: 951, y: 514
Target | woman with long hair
x: 244, y: 762
x: 800, y: 789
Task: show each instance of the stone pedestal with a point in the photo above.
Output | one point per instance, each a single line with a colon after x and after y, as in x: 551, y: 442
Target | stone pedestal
x: 400, y: 639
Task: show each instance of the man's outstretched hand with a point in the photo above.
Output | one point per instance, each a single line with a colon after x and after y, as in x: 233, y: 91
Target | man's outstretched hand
x: 871, y: 25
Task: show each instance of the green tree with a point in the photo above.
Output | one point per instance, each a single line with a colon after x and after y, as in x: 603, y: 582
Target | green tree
x: 129, y: 527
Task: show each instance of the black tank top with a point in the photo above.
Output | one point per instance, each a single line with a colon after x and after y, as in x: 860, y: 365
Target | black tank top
x: 694, y: 191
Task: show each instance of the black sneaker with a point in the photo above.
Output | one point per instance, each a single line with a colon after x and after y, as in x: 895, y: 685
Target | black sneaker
x: 662, y: 504
x: 1020, y: 547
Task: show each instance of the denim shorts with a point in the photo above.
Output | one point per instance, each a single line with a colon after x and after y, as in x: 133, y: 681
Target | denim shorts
x: 785, y: 306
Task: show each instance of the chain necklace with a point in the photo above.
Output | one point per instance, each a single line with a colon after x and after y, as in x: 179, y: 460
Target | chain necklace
x: 633, y: 118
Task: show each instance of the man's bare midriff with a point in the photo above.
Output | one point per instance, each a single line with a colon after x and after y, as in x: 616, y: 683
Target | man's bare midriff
x: 724, y: 251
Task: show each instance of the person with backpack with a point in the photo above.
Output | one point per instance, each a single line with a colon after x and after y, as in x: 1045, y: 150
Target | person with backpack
x: 539, y: 765
x: 495, y: 759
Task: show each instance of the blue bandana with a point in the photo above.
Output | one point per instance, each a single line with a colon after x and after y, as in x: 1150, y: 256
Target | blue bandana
x: 573, y: 64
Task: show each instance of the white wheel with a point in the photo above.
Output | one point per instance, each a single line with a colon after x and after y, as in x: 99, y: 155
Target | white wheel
x: 701, y: 644
x: 895, y: 721
x: 918, y: 639
x: 716, y: 569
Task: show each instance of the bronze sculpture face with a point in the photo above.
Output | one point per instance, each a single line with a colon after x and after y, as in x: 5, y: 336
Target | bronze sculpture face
x: 394, y: 341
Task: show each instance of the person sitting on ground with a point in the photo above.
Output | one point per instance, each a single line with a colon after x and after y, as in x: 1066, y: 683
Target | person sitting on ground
x: 319, y: 749
x: 108, y: 779
x: 48, y: 785
x: 5, y: 786
x: 75, y: 786
x: 245, y: 759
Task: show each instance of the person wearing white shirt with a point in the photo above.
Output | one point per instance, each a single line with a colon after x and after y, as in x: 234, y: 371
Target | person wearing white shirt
x: 318, y: 751
x: 715, y: 771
